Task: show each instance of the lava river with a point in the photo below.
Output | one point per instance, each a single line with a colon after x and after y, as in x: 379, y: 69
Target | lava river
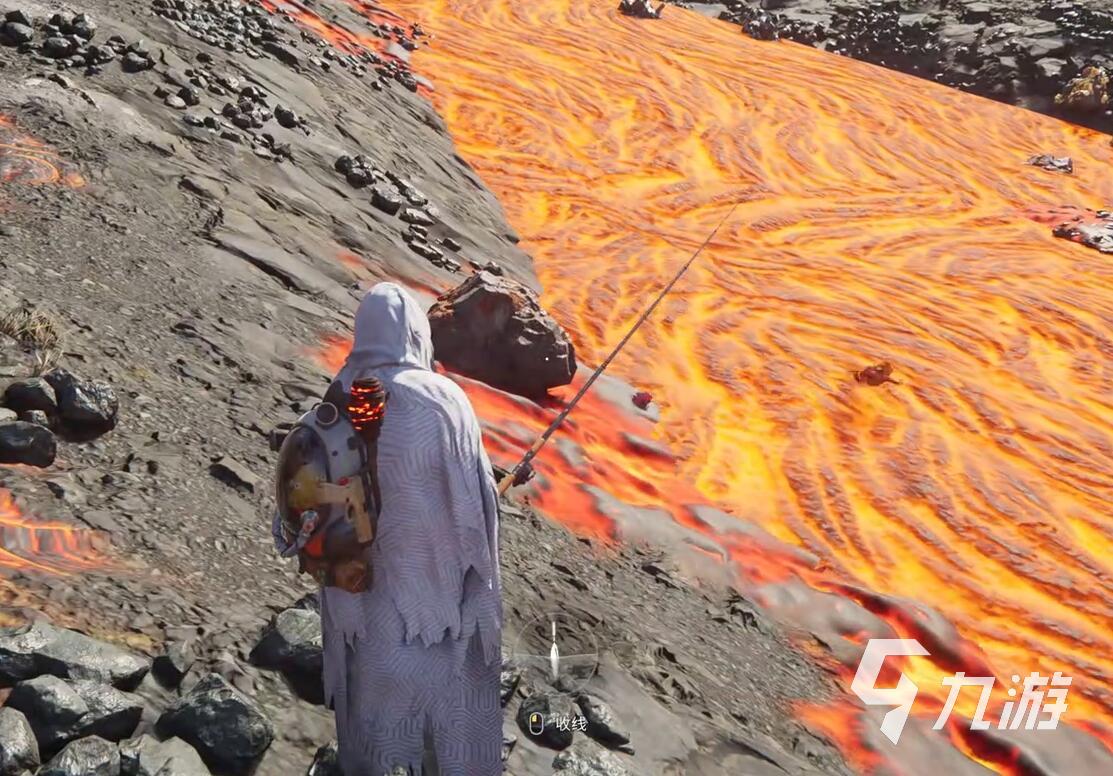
x: 881, y: 218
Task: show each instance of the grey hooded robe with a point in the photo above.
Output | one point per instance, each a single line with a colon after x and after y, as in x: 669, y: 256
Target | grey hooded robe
x: 418, y: 655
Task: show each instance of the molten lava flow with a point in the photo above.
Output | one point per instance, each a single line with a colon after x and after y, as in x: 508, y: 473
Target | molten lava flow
x: 24, y: 159
x: 883, y: 218
x: 28, y: 543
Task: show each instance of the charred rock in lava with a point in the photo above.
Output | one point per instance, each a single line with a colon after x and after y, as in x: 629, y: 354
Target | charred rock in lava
x: 291, y: 644
x: 493, y: 329
x: 41, y: 648
x: 326, y: 762
x: 1052, y: 163
x: 27, y: 443
x: 147, y: 756
x: 640, y: 9
x: 60, y: 711
x: 227, y: 728
x: 19, y: 751
x: 34, y: 393
x: 84, y: 406
x: 1095, y: 231
x: 92, y: 756
x: 877, y: 374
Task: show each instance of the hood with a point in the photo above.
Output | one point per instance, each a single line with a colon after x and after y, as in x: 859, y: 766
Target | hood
x: 391, y: 330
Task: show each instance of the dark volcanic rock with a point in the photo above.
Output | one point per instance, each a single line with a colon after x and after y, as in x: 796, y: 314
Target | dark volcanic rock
x: 84, y: 405
x: 493, y: 329
x: 32, y: 394
x: 19, y: 751
x: 58, y: 47
x: 386, y: 200
x: 551, y: 708
x: 41, y: 648
x: 136, y: 63
x: 147, y: 756
x: 291, y: 643
x: 28, y: 443
x: 509, y: 678
x: 60, y: 711
x: 171, y: 667
x: 91, y: 756
x: 15, y: 33
x: 326, y: 762
x: 227, y: 728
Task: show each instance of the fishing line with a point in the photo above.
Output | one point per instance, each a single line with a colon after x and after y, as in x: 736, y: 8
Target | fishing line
x: 521, y: 468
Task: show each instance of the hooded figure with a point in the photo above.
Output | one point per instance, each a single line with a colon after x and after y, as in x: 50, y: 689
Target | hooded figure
x: 411, y: 666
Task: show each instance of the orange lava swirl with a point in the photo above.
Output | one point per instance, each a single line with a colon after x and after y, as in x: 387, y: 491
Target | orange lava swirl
x: 882, y: 219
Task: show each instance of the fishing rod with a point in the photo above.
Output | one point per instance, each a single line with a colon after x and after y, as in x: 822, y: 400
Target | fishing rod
x: 519, y: 474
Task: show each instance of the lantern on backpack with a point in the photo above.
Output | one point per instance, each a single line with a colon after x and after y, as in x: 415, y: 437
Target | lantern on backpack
x: 327, y: 486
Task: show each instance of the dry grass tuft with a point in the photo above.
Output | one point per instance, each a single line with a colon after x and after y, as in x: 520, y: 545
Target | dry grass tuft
x: 37, y: 330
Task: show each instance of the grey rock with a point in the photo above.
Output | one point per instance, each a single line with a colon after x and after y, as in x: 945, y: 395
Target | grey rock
x: 41, y: 648
x: 227, y: 728
x: 147, y: 756
x: 38, y: 417
x: 291, y: 643
x: 18, y: 16
x: 58, y: 47
x: 91, y: 756
x: 326, y: 762
x: 493, y: 329
x: 33, y: 393
x: 286, y: 117
x: 509, y: 678
x: 412, y: 215
x: 60, y: 711
x: 16, y: 33
x: 233, y: 473
x: 171, y: 667
x: 582, y: 761
x: 175, y: 102
x: 27, y: 443
x: 602, y: 724
x: 386, y: 201
x: 136, y: 63
x: 19, y: 751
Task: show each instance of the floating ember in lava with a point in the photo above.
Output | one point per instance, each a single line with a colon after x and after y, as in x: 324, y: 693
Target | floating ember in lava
x: 24, y: 159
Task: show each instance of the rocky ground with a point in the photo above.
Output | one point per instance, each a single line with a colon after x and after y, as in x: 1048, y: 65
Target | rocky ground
x: 194, y: 195
x: 1023, y: 52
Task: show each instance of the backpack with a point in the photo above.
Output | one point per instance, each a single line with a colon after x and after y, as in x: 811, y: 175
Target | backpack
x: 327, y: 488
